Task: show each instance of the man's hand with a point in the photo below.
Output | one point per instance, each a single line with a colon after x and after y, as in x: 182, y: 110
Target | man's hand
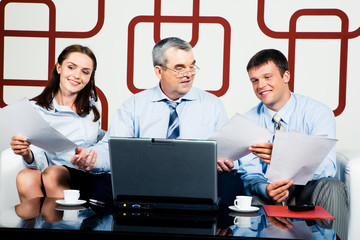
x: 278, y: 191
x: 226, y: 231
x: 21, y: 146
x: 224, y: 165
x: 263, y: 151
x: 83, y: 159
x: 280, y: 222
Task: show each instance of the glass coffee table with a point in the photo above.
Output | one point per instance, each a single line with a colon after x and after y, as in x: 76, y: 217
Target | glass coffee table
x: 46, y: 217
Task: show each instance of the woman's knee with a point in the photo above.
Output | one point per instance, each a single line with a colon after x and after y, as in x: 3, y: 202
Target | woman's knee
x: 55, y: 175
x: 28, y: 178
x: 29, y: 184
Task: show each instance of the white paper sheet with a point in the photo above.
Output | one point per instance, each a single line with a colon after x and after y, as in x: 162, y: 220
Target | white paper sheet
x: 296, y: 156
x: 27, y: 122
x: 237, y: 135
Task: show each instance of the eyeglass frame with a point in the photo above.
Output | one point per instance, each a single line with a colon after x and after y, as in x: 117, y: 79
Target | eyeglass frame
x: 183, y: 72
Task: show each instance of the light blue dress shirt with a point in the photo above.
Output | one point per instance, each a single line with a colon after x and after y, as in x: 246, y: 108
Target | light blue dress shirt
x: 146, y: 115
x: 301, y: 114
x: 83, y: 131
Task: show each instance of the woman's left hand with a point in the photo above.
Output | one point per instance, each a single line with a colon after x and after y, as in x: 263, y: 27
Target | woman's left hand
x: 83, y: 159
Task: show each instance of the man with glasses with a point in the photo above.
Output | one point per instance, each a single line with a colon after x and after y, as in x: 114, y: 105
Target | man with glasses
x: 171, y: 109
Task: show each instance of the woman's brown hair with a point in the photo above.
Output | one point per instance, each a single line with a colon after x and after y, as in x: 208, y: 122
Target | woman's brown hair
x: 83, y: 101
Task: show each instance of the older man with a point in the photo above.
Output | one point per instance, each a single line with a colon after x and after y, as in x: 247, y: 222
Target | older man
x: 171, y: 109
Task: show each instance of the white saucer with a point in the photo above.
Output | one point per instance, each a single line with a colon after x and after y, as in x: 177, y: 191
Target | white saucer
x: 78, y: 202
x: 250, y: 209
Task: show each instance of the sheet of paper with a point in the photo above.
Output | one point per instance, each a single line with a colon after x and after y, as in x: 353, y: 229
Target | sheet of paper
x: 296, y: 156
x: 237, y: 135
x: 27, y: 122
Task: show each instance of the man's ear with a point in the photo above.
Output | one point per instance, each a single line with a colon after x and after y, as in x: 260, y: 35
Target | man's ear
x: 158, y: 71
x: 286, y: 76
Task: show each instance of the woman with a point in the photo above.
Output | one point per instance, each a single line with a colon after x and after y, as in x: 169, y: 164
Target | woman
x: 68, y: 104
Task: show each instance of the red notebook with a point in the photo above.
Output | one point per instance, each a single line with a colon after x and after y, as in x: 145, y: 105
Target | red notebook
x: 282, y: 211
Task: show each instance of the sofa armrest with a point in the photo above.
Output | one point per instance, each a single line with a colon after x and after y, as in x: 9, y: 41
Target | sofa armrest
x: 348, y: 163
x: 10, y: 165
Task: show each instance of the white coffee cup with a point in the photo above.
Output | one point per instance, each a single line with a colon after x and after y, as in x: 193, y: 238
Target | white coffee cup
x: 243, y: 202
x: 240, y: 221
x: 71, y: 196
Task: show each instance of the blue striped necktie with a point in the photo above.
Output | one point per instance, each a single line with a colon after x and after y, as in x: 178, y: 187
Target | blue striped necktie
x: 173, y: 128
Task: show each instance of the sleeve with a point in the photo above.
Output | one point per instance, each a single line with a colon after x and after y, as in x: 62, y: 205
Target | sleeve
x: 40, y: 160
x: 251, y: 171
x: 223, y: 117
x: 252, y: 168
x: 122, y: 125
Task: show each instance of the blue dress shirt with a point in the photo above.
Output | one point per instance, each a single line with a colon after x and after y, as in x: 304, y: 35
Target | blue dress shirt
x: 146, y: 115
x: 301, y: 114
x: 82, y: 130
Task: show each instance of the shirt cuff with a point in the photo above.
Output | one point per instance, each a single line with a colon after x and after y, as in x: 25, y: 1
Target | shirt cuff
x: 262, y: 190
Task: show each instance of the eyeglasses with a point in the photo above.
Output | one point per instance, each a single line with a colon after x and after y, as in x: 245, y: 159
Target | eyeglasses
x: 193, y: 69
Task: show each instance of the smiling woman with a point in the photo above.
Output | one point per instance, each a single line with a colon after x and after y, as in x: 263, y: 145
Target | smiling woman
x: 68, y: 104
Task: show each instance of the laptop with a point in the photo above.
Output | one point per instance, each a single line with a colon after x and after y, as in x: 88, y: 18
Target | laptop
x: 151, y: 173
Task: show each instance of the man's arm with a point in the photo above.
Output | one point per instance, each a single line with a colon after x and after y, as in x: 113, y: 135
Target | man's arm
x: 252, y: 175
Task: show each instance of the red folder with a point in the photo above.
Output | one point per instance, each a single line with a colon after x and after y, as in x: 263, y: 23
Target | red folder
x: 282, y: 211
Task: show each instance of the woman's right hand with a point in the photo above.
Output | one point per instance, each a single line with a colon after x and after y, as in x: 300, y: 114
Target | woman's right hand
x: 21, y: 146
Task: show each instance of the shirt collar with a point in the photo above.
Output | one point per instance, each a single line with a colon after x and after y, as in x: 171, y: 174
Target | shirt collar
x: 59, y: 108
x: 285, y: 112
x: 159, y: 95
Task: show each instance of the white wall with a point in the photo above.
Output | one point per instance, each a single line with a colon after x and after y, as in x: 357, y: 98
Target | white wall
x: 316, y: 60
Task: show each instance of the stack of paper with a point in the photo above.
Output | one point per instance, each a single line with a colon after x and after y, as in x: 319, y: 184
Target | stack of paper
x: 237, y: 135
x: 294, y: 156
x: 27, y: 122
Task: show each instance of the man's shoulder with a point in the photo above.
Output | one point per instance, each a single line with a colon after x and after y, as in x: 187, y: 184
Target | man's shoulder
x: 255, y: 111
x: 203, y: 95
x: 309, y: 104
x: 144, y: 95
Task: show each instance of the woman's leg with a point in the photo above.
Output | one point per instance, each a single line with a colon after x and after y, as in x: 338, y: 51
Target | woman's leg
x: 29, y: 184
x: 56, y: 179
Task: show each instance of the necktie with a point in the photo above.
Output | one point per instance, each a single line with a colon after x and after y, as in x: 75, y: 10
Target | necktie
x: 278, y: 126
x: 277, y: 120
x: 173, y: 128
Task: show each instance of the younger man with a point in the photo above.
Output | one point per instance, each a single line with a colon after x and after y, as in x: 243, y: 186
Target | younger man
x: 281, y: 109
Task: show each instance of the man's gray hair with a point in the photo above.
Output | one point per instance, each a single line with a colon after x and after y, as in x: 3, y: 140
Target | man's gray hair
x: 158, y: 53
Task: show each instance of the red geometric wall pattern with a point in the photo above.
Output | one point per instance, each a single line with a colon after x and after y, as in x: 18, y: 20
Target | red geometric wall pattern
x: 292, y: 35
x: 51, y: 35
x: 195, y: 20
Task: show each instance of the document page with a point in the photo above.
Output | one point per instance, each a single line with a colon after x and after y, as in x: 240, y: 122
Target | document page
x: 296, y: 156
x: 27, y: 122
x: 237, y: 135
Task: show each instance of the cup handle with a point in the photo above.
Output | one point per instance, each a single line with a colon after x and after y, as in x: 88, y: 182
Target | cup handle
x: 236, y: 220
x: 235, y: 202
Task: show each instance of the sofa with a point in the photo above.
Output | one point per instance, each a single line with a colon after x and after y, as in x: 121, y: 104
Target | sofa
x: 348, y: 171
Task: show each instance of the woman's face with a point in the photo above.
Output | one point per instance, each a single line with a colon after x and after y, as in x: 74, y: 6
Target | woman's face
x: 75, y: 72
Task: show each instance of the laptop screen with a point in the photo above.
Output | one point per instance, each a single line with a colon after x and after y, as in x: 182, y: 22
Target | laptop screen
x: 163, y: 170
